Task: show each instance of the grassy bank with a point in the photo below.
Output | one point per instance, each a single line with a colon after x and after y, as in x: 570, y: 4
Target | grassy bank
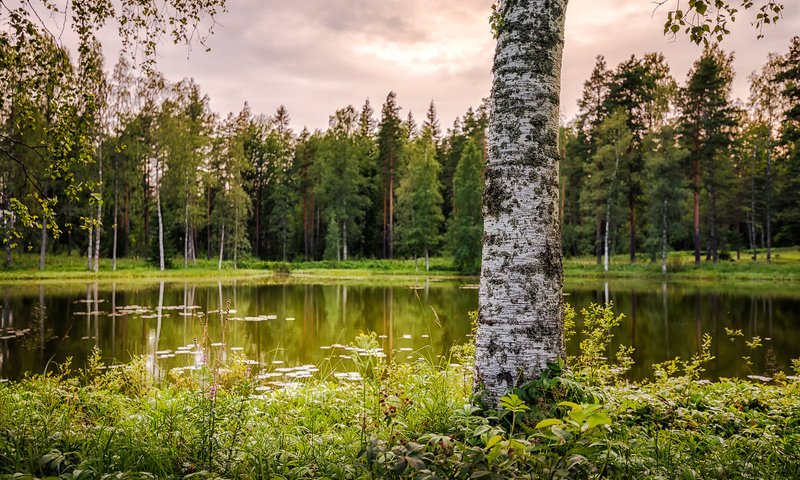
x: 784, y: 267
x: 417, y: 420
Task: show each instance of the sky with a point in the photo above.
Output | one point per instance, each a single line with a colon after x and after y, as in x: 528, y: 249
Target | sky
x: 315, y: 56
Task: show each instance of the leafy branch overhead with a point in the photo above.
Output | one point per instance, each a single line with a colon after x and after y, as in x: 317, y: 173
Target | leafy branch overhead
x: 51, y: 107
x: 701, y: 20
x: 708, y: 20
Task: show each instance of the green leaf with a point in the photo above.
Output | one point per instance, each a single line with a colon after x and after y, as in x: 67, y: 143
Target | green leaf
x: 599, y: 418
x: 549, y: 422
x: 572, y: 405
x: 493, y: 441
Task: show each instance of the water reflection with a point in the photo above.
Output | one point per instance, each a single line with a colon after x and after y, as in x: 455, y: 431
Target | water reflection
x: 287, y: 325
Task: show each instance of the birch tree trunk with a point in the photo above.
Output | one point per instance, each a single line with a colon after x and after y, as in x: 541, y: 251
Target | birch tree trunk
x: 769, y: 199
x: 116, y: 225
x: 520, y: 319
x: 608, y: 212
x: 89, y: 248
x: 605, y: 237
x: 664, y: 238
x: 221, y: 247
x: 43, y: 246
x: 186, y: 233
x: 160, y: 222
x: 344, y: 238
x: 99, y: 215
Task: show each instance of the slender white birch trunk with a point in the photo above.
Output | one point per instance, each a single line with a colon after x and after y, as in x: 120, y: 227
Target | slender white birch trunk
x: 344, y: 239
x: 608, y: 208
x: 605, y: 237
x: 116, y: 226
x: 520, y: 319
x: 99, y: 215
x: 160, y: 220
x: 186, y: 234
x: 43, y: 246
x: 664, y: 238
x: 90, y: 248
x: 235, y: 238
x: 221, y: 246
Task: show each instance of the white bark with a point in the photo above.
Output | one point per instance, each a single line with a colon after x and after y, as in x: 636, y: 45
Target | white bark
x: 605, y: 237
x: 186, y: 234
x: 89, y: 248
x: 608, y: 207
x: 116, y: 227
x: 344, y: 239
x: 520, y: 320
x: 221, y: 247
x: 43, y: 246
x: 664, y: 238
x: 99, y: 215
x: 160, y: 222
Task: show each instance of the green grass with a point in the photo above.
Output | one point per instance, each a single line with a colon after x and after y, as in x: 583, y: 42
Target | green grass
x: 417, y: 420
x: 784, y: 267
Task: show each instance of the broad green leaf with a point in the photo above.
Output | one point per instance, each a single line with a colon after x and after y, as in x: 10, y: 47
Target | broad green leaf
x: 549, y: 422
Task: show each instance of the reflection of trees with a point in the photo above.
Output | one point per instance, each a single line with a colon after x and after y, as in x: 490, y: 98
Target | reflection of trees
x: 669, y: 320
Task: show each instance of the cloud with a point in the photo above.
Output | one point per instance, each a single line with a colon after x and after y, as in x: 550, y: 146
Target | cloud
x: 315, y: 56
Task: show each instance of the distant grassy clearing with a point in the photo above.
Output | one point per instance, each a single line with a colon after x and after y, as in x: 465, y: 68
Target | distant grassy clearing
x: 785, y: 266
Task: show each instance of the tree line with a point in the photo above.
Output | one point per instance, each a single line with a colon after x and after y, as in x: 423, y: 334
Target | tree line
x: 166, y: 178
x: 650, y: 165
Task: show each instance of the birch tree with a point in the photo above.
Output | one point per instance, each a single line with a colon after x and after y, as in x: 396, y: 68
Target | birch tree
x: 667, y: 187
x: 520, y: 316
x: 520, y: 326
x: 613, y: 155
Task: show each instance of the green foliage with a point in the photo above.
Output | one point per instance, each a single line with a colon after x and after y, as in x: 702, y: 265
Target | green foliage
x: 414, y: 420
x: 40, y: 82
x: 668, y: 192
x: 419, y: 201
x: 465, y: 229
x: 706, y: 21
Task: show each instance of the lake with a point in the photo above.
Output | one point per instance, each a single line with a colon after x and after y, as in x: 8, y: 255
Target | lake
x: 281, y: 326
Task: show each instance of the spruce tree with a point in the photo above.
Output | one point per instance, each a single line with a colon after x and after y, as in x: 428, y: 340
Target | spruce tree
x: 419, y: 201
x: 465, y: 232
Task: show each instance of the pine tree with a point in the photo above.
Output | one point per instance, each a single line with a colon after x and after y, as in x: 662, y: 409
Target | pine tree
x: 390, y: 149
x: 707, y: 121
x: 465, y: 229
x: 641, y: 88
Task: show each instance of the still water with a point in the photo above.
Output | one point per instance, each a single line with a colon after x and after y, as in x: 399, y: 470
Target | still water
x: 286, y: 325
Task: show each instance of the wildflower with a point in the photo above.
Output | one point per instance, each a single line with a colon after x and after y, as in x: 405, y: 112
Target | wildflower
x: 212, y: 391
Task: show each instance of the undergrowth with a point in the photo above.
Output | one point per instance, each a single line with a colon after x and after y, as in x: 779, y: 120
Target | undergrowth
x: 418, y: 420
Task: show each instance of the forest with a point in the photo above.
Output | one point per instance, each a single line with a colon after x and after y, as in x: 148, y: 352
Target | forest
x: 650, y: 164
